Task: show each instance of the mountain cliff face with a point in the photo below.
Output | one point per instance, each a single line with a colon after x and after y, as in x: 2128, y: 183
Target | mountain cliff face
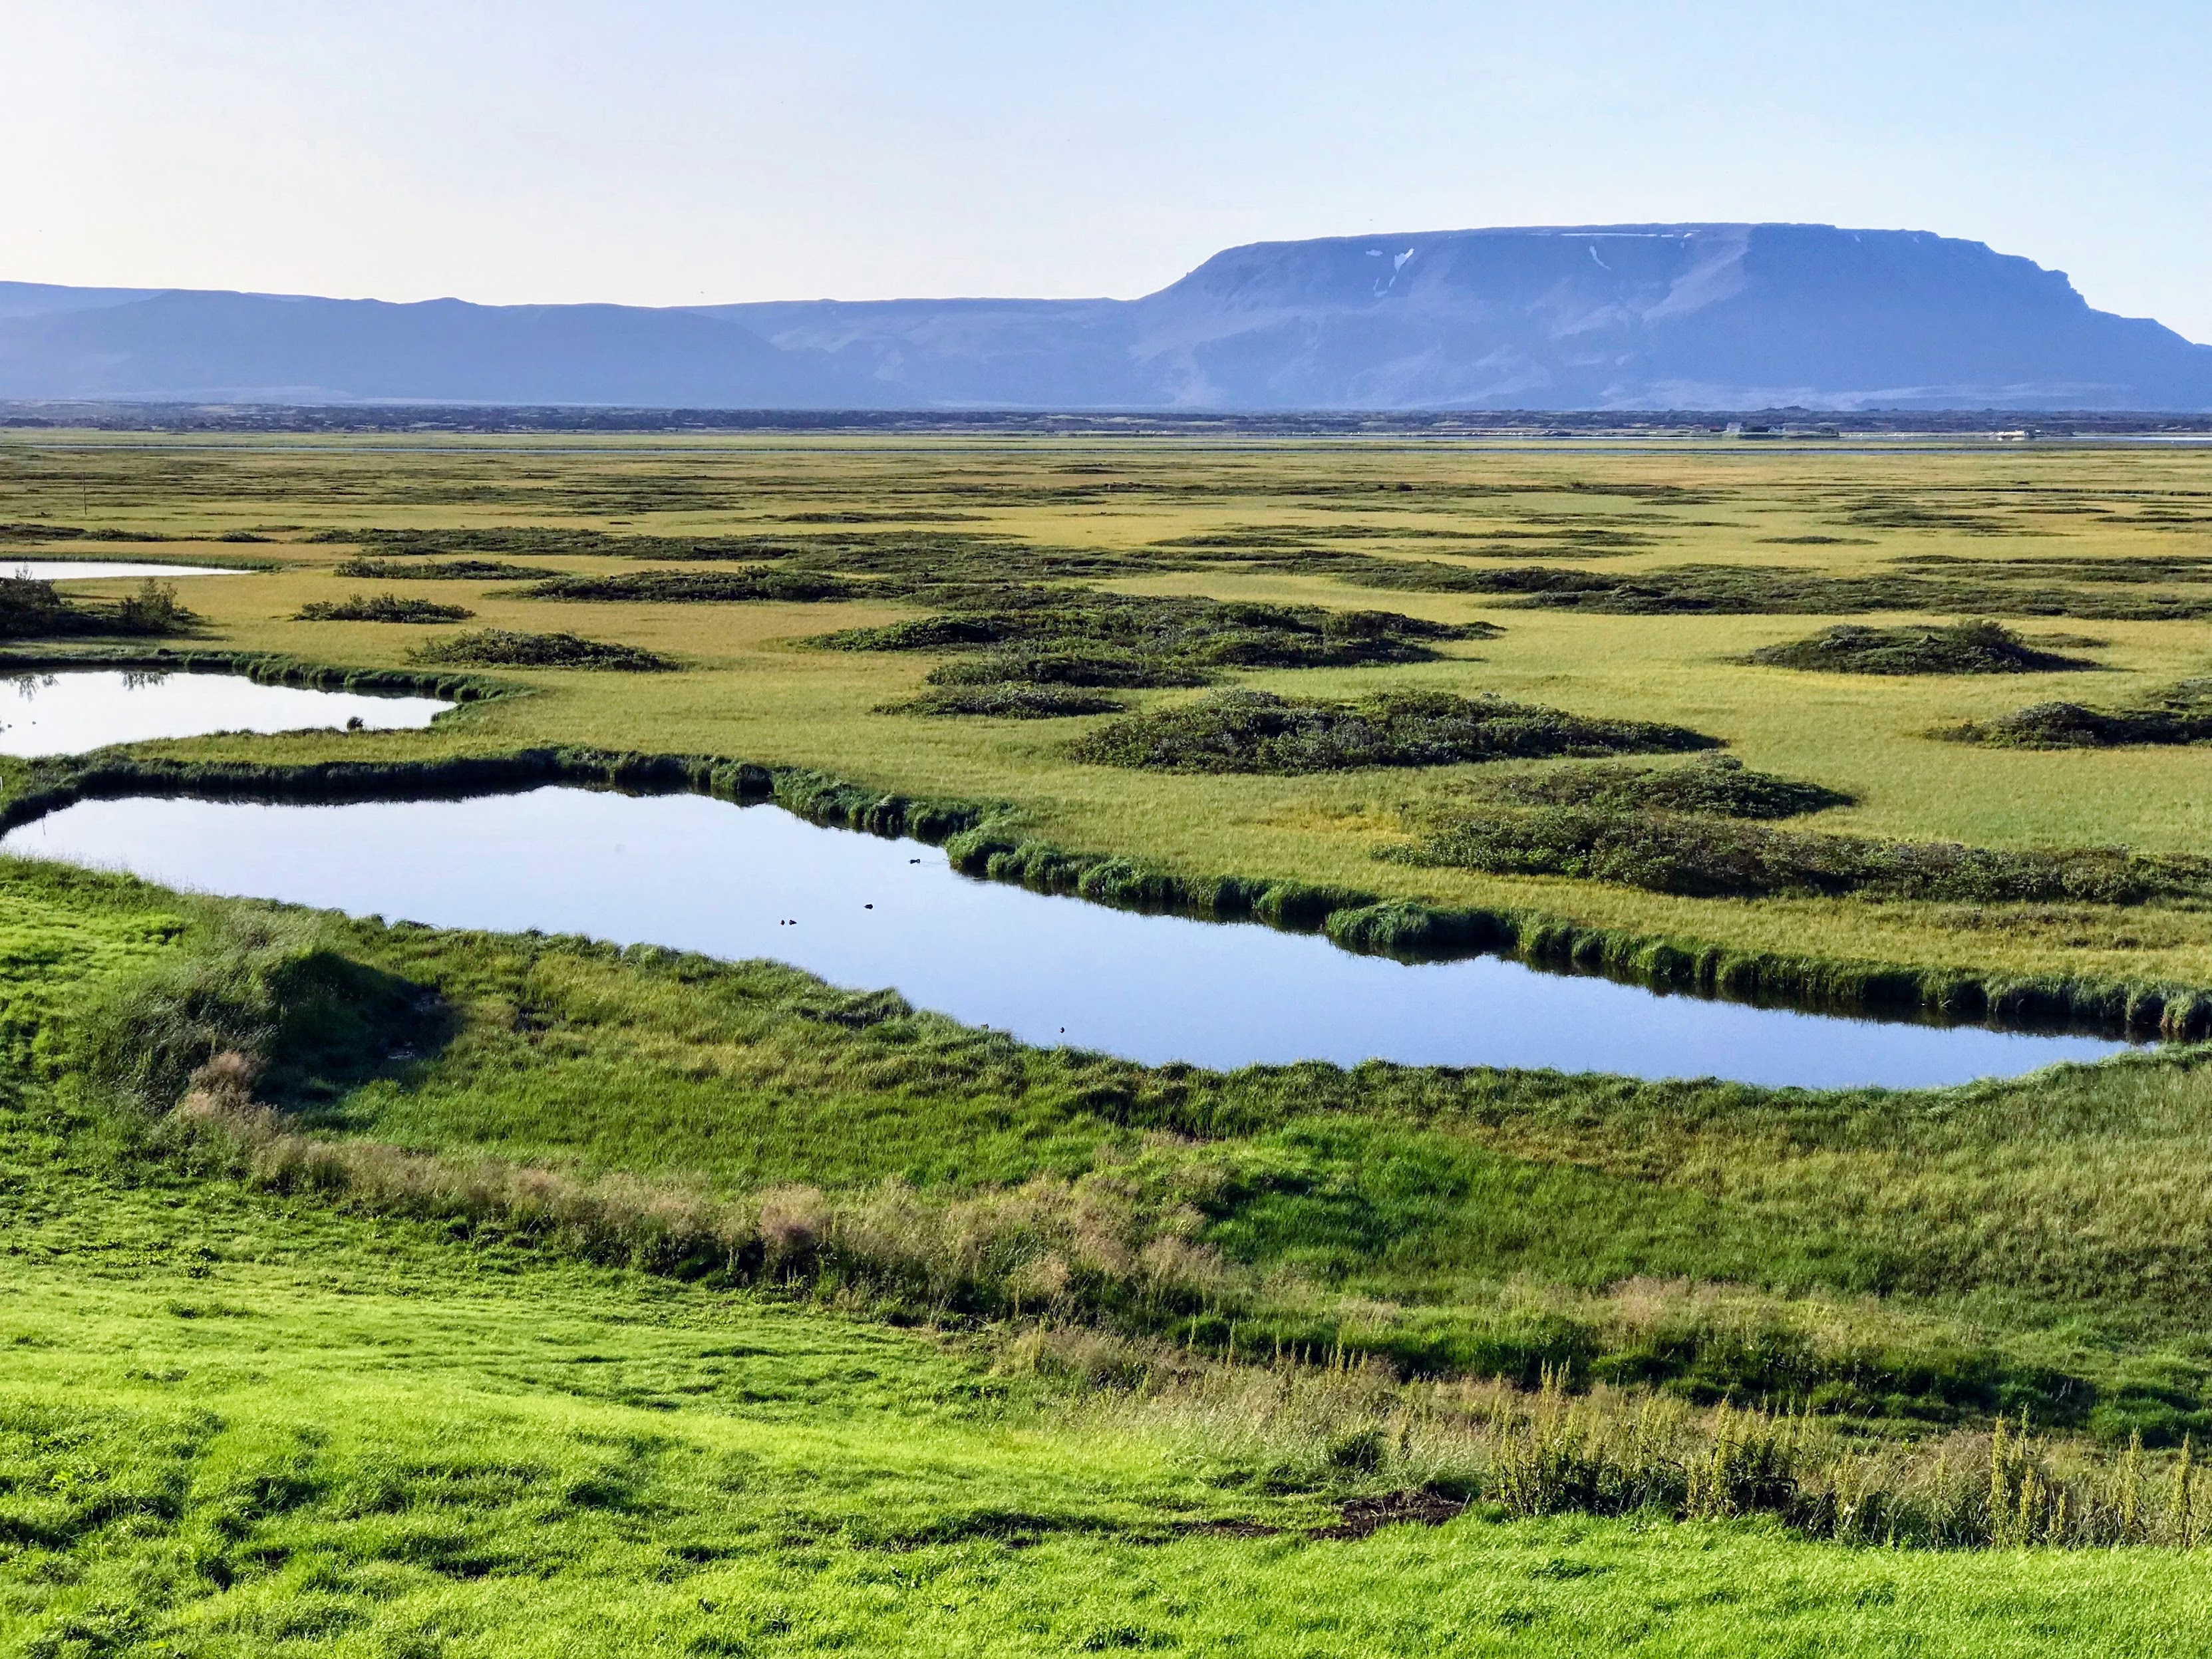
x: 1628, y: 317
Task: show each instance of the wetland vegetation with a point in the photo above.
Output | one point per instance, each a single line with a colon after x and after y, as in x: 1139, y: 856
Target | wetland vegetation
x: 362, y: 1275
x: 382, y: 608
x: 1261, y: 732
x: 1972, y: 648
x: 506, y: 647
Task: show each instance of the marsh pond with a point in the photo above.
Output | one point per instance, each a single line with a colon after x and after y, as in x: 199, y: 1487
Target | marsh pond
x: 695, y: 874
x: 69, y: 711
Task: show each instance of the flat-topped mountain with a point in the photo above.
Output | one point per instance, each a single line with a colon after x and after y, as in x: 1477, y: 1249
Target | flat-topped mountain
x: 1707, y: 316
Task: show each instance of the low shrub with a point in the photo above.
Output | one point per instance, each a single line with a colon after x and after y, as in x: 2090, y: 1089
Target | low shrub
x: 30, y: 608
x: 1260, y: 732
x: 1718, y: 786
x: 1707, y: 857
x: 381, y: 607
x: 1971, y: 648
x: 1007, y: 700
x: 503, y: 648
x: 2180, y: 714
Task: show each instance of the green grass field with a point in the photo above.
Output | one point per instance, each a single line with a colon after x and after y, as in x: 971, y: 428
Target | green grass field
x: 495, y: 1294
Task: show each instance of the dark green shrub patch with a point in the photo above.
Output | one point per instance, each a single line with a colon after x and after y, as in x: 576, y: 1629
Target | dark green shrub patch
x: 30, y: 608
x: 444, y: 570
x: 70, y: 532
x: 1007, y: 700
x: 1188, y: 633
x: 536, y: 541
x: 1260, y: 732
x: 1970, y: 648
x: 1775, y: 590
x: 2131, y: 569
x: 382, y: 608
x: 1705, y: 857
x: 696, y: 588
x: 2182, y: 713
x: 507, y: 648
x: 1720, y: 786
x: 1048, y: 667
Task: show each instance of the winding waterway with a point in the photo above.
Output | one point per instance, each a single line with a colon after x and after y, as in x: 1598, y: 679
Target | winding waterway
x: 862, y: 911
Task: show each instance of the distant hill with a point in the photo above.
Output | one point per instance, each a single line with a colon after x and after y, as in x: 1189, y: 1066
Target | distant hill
x: 1626, y: 317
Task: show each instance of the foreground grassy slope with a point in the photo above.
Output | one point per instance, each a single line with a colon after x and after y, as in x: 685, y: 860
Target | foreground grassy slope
x: 236, y: 1426
x: 2093, y: 524
x: 236, y: 1422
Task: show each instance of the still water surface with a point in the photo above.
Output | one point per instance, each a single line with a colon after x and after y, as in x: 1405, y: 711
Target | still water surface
x: 85, y: 570
x: 864, y: 912
x: 69, y: 712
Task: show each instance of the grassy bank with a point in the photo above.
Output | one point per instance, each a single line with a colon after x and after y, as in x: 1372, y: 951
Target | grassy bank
x: 744, y: 1124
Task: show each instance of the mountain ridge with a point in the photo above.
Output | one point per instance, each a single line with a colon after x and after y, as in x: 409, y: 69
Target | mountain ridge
x: 1715, y: 316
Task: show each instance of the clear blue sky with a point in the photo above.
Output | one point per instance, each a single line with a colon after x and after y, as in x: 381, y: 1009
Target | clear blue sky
x: 673, y: 151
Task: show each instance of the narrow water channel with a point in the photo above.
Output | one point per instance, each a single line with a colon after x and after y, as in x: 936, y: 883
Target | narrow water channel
x: 865, y: 912
x: 69, y: 711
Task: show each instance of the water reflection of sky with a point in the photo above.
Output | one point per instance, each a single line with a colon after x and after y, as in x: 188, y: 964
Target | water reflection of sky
x: 67, y: 713
x: 864, y: 912
x: 86, y: 570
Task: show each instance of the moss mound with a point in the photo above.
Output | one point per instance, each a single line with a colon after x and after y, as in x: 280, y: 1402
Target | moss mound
x: 1972, y: 648
x: 1718, y: 786
x: 1260, y: 732
x: 1008, y: 700
x: 2180, y: 714
x: 381, y: 607
x: 499, y: 648
x: 1707, y: 858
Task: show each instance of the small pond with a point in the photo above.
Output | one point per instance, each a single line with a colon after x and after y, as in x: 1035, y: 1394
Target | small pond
x: 71, y: 710
x: 86, y: 570
x: 864, y: 912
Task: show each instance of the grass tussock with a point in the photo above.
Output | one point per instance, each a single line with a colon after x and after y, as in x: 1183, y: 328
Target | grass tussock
x: 1011, y: 700
x: 1718, y: 786
x: 2180, y: 714
x: 1709, y: 858
x: 503, y: 648
x: 1548, y: 1451
x: 1260, y: 732
x: 381, y: 607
